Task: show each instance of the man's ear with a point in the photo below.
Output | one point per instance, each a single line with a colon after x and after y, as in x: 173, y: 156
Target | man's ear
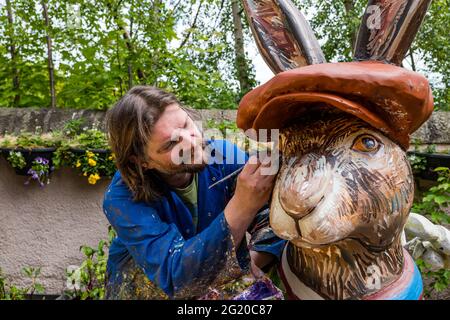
x: 144, y: 165
x: 147, y: 165
x: 134, y: 160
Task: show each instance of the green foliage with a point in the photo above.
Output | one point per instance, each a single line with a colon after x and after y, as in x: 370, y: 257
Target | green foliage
x: 11, y: 292
x: 440, y: 280
x: 431, y: 148
x: 89, y: 280
x: 90, y: 139
x: 84, y: 149
x: 434, y: 204
x: 432, y: 47
x: 73, y: 127
x: 336, y: 24
x: 86, y: 282
x: 102, y: 48
x: 28, y: 140
x: 16, y: 159
x: 437, y: 199
x: 418, y: 163
x: 63, y: 156
x: 225, y: 27
x: 223, y: 126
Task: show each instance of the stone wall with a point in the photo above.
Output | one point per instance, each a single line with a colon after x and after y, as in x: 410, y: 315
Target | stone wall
x: 435, y: 131
x: 45, y: 227
x: 12, y: 120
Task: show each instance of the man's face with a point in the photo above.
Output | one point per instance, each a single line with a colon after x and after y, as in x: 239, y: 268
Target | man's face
x: 176, y: 143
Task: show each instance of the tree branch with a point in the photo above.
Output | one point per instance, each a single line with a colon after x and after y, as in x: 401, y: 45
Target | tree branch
x: 175, y: 7
x: 13, y: 51
x: 218, y: 15
x: 413, y: 63
x: 51, y: 71
x: 125, y: 35
x: 186, y: 38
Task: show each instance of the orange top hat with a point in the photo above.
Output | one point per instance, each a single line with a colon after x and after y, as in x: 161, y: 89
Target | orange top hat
x: 389, y: 98
x: 374, y: 88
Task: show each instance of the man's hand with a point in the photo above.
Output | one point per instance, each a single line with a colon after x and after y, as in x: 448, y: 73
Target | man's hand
x: 253, y: 190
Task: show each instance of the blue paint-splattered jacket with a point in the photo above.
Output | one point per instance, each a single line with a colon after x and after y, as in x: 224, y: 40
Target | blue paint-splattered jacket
x: 157, y: 247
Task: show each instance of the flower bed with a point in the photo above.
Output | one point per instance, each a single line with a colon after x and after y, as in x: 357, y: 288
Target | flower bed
x: 37, y: 155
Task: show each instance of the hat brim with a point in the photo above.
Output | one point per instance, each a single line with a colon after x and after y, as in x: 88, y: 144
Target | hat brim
x: 284, y: 110
x: 392, y: 99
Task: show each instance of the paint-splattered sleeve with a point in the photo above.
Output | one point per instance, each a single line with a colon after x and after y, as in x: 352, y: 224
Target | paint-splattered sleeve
x: 181, y: 268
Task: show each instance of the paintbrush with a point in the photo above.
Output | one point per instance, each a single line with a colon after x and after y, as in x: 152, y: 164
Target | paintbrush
x: 231, y: 175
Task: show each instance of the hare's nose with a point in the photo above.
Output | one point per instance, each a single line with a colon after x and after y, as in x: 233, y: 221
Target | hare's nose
x: 304, y: 185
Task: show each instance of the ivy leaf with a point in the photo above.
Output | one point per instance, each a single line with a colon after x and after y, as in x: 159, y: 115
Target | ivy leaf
x: 441, y: 199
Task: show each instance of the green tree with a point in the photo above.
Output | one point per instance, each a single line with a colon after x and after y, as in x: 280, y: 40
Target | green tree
x: 241, y: 62
x: 88, y: 53
x: 432, y: 48
x: 336, y: 24
x: 29, y: 65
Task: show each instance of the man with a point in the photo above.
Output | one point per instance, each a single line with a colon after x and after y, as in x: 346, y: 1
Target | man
x: 176, y: 237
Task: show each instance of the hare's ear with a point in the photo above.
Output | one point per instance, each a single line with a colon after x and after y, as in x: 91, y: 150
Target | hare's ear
x: 284, y: 37
x: 388, y: 28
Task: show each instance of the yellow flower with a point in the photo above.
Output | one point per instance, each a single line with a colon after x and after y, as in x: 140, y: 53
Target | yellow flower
x: 89, y: 154
x: 78, y: 164
x: 85, y: 174
x: 93, y: 178
x: 92, y: 162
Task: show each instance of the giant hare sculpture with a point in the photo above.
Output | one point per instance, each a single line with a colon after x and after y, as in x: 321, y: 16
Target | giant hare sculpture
x: 345, y: 187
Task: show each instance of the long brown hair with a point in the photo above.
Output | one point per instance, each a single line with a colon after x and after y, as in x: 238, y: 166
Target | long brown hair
x: 129, y: 125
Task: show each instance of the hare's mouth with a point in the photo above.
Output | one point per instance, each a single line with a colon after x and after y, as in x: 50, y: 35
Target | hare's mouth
x: 289, y: 226
x: 298, y: 215
x: 312, y: 223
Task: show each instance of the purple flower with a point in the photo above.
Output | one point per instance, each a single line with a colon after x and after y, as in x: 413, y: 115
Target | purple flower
x: 262, y: 289
x: 39, y: 171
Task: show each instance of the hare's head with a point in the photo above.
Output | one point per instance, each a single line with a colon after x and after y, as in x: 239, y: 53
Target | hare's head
x: 340, y: 178
x: 345, y: 127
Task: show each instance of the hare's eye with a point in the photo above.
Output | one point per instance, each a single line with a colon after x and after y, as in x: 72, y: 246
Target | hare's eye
x: 365, y: 143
